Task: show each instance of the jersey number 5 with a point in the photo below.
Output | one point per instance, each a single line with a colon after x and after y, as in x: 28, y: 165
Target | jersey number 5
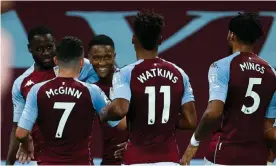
x: 150, y: 90
x: 254, y: 95
x: 68, y: 107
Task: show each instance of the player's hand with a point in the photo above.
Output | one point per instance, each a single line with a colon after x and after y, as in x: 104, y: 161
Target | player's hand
x: 189, y: 154
x: 120, y: 152
x: 25, y: 153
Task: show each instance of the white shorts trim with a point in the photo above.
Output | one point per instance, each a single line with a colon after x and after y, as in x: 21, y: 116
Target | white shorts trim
x: 156, y: 164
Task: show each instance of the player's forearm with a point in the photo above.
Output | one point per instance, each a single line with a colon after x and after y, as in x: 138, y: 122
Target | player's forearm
x: 183, y: 124
x: 111, y: 112
x: 271, y: 137
x: 206, y: 126
x: 188, y: 117
x: 270, y: 134
x: 13, y: 147
x: 122, y: 125
x: 22, y: 135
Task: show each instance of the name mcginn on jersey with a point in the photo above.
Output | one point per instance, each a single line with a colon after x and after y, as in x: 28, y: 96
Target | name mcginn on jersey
x: 64, y: 90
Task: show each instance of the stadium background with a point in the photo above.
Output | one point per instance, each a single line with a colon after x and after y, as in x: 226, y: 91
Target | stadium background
x: 194, y: 37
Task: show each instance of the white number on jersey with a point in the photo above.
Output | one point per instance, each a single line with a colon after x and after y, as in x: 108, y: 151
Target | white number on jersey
x: 68, y: 107
x: 254, y: 95
x: 150, y: 90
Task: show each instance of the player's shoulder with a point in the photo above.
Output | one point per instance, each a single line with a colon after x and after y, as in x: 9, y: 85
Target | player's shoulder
x: 173, y: 65
x: 89, y: 86
x: 128, y: 68
x: 44, y: 83
x: 38, y: 86
x: 272, y: 69
x: 224, y: 63
x: 18, y: 81
x: 226, y: 60
x: 93, y: 89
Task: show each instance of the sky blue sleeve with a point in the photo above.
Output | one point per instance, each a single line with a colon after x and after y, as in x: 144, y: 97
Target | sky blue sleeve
x: 30, y: 112
x: 121, y: 83
x: 99, y: 101
x: 271, y: 110
x: 218, y: 77
x: 88, y: 74
x: 188, y: 90
x: 18, y: 100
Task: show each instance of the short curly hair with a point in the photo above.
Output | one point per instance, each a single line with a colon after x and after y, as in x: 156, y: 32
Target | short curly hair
x: 148, y: 26
x: 247, y: 27
x: 69, y: 49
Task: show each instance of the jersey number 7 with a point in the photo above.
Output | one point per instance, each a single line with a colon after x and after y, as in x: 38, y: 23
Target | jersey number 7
x: 68, y: 107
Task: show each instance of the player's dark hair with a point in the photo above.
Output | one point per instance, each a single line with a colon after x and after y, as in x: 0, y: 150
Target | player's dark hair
x: 39, y: 30
x: 247, y: 27
x: 148, y: 26
x: 69, y: 49
x: 101, y: 40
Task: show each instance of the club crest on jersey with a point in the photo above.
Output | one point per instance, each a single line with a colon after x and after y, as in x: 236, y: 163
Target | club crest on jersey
x: 117, y: 83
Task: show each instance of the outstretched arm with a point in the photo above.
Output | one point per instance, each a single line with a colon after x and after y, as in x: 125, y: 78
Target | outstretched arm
x: 121, y: 98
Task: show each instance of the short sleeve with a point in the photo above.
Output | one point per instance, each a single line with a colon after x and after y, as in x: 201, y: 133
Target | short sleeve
x: 30, y: 112
x: 218, y: 78
x: 188, y: 91
x: 88, y: 74
x: 18, y: 101
x: 99, y: 101
x: 121, y: 84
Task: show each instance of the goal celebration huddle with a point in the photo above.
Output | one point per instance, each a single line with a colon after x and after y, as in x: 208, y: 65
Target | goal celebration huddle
x: 60, y: 99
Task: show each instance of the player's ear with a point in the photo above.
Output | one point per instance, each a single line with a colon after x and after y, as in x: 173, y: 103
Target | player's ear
x: 232, y: 36
x: 55, y: 60
x: 81, y: 62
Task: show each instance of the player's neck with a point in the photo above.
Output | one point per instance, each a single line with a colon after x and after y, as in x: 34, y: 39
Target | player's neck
x: 39, y: 68
x: 68, y: 73
x: 243, y: 48
x: 145, y: 54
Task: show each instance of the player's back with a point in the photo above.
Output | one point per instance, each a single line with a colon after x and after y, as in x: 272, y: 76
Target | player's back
x: 65, y: 120
x: 251, y: 84
x: 157, y: 89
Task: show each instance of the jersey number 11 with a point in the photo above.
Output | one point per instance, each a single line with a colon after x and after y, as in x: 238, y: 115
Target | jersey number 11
x: 150, y: 90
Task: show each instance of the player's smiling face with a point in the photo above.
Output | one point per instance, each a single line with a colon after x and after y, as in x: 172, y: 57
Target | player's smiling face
x: 43, y: 49
x: 102, y: 58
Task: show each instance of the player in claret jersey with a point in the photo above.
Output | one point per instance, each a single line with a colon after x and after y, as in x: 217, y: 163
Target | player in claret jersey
x: 152, y: 93
x: 63, y: 108
x: 43, y: 49
x: 101, y: 54
x: 241, y: 95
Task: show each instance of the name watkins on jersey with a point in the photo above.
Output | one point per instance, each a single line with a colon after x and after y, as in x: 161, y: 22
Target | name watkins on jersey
x: 64, y: 90
x: 157, y: 72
